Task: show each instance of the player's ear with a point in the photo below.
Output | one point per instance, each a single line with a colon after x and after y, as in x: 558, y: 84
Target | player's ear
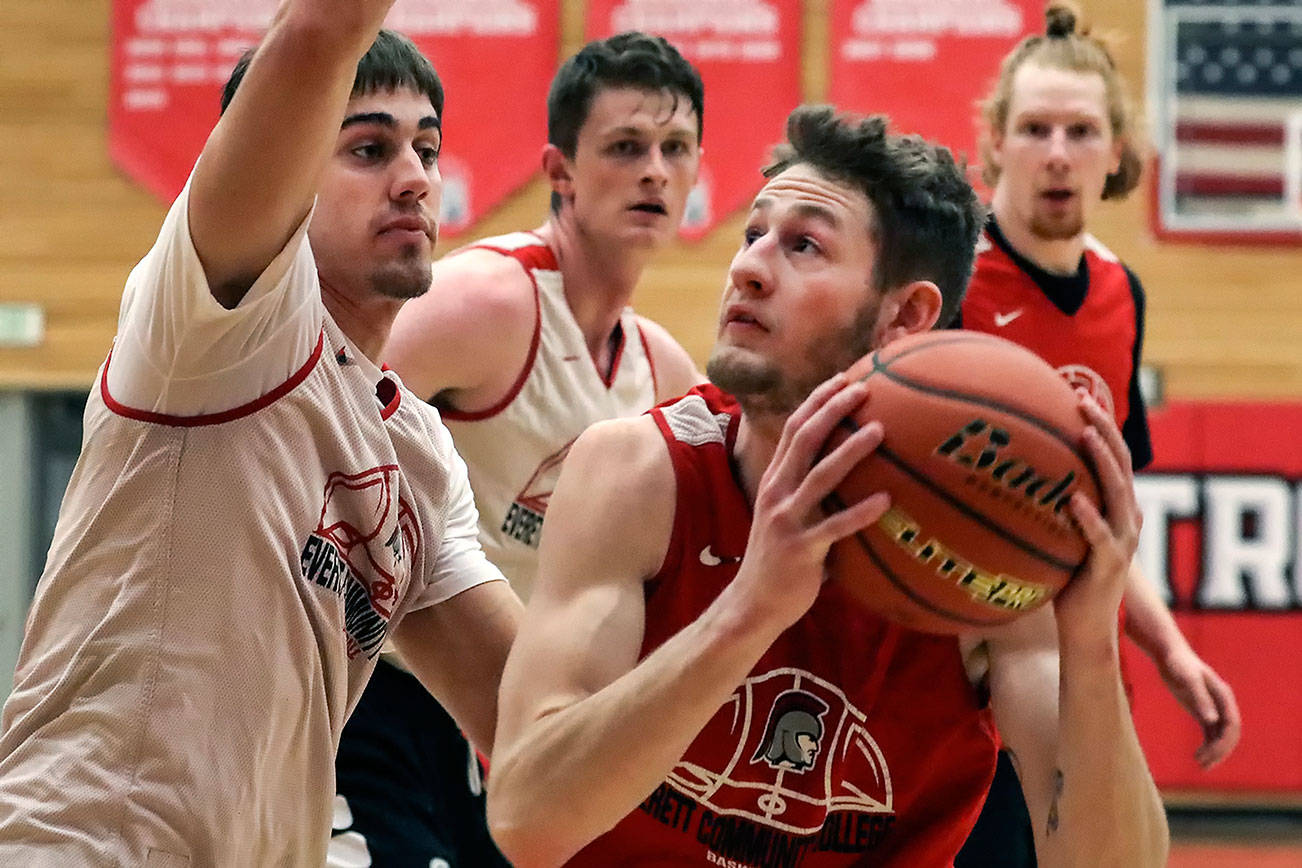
x: 995, y: 150
x: 908, y: 310
x: 1118, y: 148
x: 556, y: 167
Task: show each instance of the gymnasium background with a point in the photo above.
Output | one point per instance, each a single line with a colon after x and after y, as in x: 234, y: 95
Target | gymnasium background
x: 103, y: 104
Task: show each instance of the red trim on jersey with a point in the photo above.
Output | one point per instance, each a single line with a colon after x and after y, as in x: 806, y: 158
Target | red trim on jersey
x: 609, y: 380
x: 391, y: 406
x: 210, y: 418
x: 673, y: 559
x: 650, y: 360
x: 529, y: 258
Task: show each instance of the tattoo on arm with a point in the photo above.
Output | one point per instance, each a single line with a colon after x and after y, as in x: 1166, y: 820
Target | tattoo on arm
x: 1058, y: 782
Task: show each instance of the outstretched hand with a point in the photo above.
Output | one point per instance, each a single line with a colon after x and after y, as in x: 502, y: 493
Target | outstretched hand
x: 1207, y: 698
x: 784, y: 566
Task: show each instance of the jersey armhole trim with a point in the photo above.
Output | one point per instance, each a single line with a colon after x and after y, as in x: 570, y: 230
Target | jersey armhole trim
x: 514, y: 391
x: 674, y: 550
x: 392, y: 406
x: 204, y: 419
x: 651, y: 362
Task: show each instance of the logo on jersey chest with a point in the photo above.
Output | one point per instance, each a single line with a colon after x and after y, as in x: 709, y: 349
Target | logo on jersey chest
x: 362, y: 550
x: 785, y: 769
x: 1085, y: 377
x: 794, y: 732
x: 524, y: 517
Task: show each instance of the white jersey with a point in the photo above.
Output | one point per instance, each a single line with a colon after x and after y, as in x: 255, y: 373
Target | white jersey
x: 255, y: 508
x: 515, y: 449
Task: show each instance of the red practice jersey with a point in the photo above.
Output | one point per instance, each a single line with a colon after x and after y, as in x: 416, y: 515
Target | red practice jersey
x: 852, y: 740
x: 1088, y: 325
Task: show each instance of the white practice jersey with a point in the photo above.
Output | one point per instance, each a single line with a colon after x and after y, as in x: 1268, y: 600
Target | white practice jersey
x: 515, y: 449
x: 255, y: 507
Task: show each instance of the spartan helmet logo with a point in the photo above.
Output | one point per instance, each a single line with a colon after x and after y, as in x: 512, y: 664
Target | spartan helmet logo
x: 794, y: 731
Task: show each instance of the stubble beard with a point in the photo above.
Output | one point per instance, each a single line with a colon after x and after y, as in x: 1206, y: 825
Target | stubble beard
x: 1063, y: 228
x: 405, y: 276
x: 761, y: 387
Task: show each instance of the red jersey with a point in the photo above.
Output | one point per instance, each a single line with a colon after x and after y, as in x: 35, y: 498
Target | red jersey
x: 853, y: 741
x: 1088, y: 325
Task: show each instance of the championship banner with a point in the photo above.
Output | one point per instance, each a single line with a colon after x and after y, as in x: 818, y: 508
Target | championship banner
x: 925, y: 63
x: 1222, y: 541
x: 496, y: 58
x: 748, y: 54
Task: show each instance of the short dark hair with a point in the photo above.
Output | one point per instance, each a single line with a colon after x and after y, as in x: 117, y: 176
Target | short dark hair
x: 630, y: 59
x: 392, y: 62
x: 1069, y: 46
x: 926, y: 216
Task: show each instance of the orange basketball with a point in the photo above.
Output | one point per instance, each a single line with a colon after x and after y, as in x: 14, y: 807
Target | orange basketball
x: 982, y: 451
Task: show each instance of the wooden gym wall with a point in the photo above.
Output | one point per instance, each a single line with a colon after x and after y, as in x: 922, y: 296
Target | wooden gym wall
x: 1223, y: 321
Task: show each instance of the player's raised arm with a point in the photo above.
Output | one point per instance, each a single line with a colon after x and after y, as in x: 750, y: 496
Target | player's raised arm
x: 1060, y: 705
x: 255, y: 180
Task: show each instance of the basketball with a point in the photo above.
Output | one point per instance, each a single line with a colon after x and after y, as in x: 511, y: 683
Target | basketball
x: 982, y: 451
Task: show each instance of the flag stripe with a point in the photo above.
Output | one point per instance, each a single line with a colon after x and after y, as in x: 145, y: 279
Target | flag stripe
x: 1225, y: 133
x: 1227, y: 159
x: 1227, y: 184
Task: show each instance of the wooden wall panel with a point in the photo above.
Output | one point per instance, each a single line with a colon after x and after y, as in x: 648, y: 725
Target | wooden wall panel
x: 1223, y: 321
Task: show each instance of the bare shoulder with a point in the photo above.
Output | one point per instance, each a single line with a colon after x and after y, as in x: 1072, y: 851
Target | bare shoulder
x: 470, y: 333
x: 676, y: 372
x: 617, y: 483
x: 480, y: 290
x: 500, y: 279
x: 625, y: 455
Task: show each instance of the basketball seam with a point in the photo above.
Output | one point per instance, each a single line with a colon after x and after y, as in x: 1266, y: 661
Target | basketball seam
x: 900, y: 586
x: 962, y: 507
x: 977, y: 516
x: 910, y: 383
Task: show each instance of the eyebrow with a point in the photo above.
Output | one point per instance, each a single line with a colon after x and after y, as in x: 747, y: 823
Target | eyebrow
x: 807, y: 210
x: 385, y: 119
x: 637, y: 132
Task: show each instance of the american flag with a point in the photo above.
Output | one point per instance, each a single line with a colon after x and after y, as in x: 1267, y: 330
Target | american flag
x: 1230, y: 131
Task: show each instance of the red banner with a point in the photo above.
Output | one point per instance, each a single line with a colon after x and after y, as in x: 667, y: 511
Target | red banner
x: 748, y: 53
x: 1222, y: 538
x: 925, y: 62
x: 170, y: 59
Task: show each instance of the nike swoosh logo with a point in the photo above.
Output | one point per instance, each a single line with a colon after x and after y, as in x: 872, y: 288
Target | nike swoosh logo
x: 710, y: 559
x: 1003, y: 319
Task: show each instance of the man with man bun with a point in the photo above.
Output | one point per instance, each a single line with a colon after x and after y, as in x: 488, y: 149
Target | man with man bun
x: 1059, y: 136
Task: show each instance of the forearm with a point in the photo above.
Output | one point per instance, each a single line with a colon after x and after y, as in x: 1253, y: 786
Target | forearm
x: 257, y: 176
x: 458, y: 650
x: 574, y: 772
x: 1148, y: 621
x: 1106, y: 809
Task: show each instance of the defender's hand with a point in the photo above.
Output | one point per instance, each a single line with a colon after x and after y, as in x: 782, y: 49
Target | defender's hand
x: 1207, y: 698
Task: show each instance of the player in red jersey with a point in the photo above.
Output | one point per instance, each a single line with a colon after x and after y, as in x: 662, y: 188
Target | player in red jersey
x: 686, y: 689
x: 1059, y: 139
